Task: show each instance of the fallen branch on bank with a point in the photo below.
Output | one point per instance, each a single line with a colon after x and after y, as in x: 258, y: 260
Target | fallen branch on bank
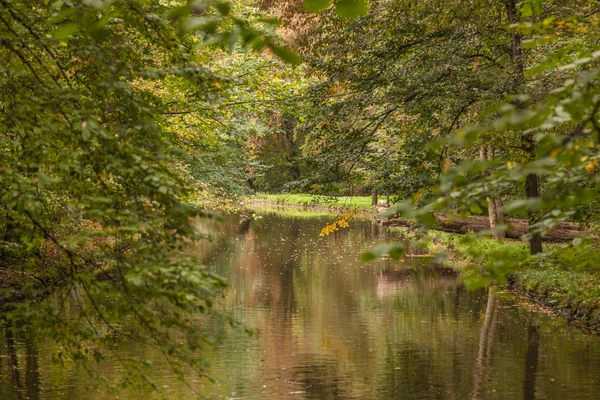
x: 562, y: 231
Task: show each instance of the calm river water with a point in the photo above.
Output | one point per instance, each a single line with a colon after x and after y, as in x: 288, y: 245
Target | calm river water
x: 330, y: 327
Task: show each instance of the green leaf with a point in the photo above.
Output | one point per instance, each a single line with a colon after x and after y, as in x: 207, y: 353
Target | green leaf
x: 427, y: 219
x: 66, y: 30
x: 475, y: 209
x: 135, y: 280
x: 286, y: 54
x: 270, y: 21
x: 209, y: 25
x: 178, y: 13
x: 351, y: 8
x: 529, y: 43
x: 224, y: 8
x: 316, y: 5
x: 517, y: 206
x: 526, y: 10
x: 258, y: 45
x: 395, y: 250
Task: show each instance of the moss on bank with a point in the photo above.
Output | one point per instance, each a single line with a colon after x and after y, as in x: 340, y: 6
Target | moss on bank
x: 566, y: 278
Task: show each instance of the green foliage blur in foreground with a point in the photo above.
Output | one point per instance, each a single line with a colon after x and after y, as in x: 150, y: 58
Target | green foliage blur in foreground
x: 95, y: 180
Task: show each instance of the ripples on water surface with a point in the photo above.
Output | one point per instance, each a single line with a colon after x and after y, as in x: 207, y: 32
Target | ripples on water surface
x: 333, y: 328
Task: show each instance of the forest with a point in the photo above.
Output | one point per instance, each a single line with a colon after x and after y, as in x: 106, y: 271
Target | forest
x: 179, y: 177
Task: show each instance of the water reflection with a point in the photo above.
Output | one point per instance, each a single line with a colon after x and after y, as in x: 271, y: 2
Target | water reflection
x: 22, y: 371
x: 333, y: 328
x: 531, y: 363
x: 486, y: 343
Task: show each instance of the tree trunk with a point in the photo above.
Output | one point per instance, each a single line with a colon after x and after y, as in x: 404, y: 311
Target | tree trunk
x: 497, y: 199
x: 499, y: 210
x: 294, y: 170
x: 535, y: 242
x: 374, y: 198
x: 289, y: 145
x: 531, y: 182
x: 495, y: 213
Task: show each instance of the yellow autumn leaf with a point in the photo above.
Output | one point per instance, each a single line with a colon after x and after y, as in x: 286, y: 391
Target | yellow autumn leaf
x: 591, y: 166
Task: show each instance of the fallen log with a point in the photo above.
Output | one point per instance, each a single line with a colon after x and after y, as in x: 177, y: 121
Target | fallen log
x: 562, y: 231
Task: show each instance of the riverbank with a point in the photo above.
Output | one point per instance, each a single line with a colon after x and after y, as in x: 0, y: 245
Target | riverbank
x: 567, y: 281
x: 312, y: 202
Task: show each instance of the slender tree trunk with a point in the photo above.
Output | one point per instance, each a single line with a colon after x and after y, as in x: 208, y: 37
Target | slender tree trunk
x: 531, y: 182
x: 495, y: 212
x: 498, y: 209
x: 374, y: 198
x: 294, y: 170
x: 531, y: 185
x: 491, y: 203
x: 533, y: 192
x: 387, y: 199
x: 447, y: 164
x: 289, y: 145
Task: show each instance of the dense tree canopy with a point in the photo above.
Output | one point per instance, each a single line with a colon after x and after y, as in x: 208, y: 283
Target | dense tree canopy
x: 111, y: 134
x: 405, y: 84
x: 122, y: 122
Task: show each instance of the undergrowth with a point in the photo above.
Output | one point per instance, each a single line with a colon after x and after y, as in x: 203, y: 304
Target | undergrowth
x: 565, y: 277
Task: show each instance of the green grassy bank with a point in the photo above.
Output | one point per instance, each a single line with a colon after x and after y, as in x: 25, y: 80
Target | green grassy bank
x: 308, y: 201
x: 566, y: 278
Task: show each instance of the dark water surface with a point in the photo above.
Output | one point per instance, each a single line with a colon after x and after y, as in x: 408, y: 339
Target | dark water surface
x: 331, y: 327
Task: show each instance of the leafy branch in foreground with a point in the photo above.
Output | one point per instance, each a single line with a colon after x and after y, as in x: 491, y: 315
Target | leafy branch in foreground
x: 560, y: 126
x: 94, y: 190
